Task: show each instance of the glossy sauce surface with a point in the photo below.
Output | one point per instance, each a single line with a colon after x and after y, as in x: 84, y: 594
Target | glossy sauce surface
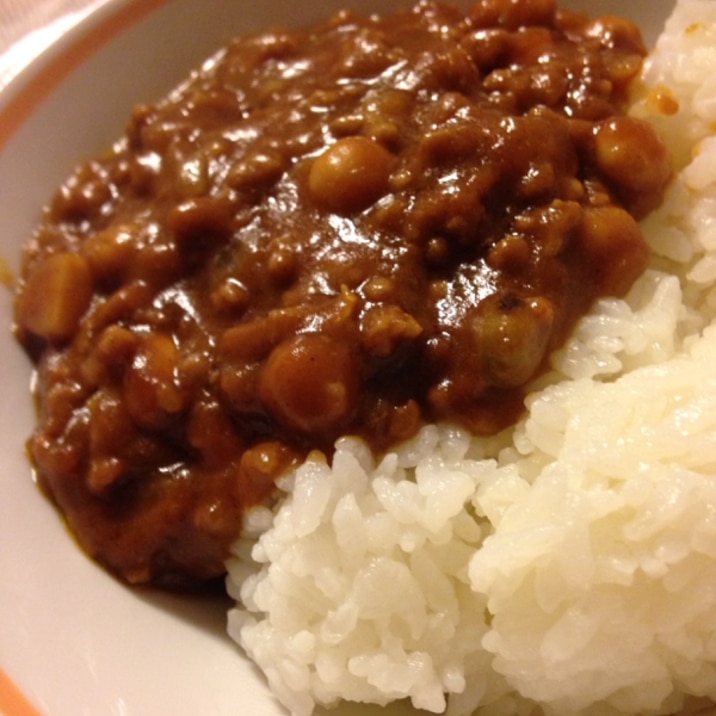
x: 355, y: 228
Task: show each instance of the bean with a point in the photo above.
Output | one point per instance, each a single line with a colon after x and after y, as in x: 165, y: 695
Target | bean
x: 390, y: 103
x: 347, y: 125
x: 350, y: 175
x: 56, y: 296
x: 258, y: 168
x: 527, y: 46
x: 152, y: 389
x: 310, y: 383
x: 366, y: 55
x: 110, y: 251
x: 282, y: 264
x: 259, y: 467
x: 487, y: 47
x: 54, y: 457
x: 613, y: 240
x: 201, y: 217
x: 629, y: 152
x: 512, y: 336
x: 617, y: 33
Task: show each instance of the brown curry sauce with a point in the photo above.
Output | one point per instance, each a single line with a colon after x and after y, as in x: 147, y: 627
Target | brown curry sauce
x: 350, y: 229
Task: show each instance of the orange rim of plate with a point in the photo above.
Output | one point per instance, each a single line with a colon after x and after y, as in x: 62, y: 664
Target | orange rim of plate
x: 30, y: 95
x: 39, y: 86
x: 12, y: 701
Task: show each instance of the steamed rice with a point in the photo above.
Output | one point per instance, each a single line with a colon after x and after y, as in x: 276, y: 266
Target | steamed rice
x: 565, y: 567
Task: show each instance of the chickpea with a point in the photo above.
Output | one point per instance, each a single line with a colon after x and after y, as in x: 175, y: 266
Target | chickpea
x: 350, y: 175
x: 512, y: 336
x: 56, y: 296
x: 632, y: 156
x: 613, y: 238
x: 310, y: 383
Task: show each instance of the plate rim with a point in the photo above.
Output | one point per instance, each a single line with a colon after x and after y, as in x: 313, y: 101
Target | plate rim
x: 54, y: 63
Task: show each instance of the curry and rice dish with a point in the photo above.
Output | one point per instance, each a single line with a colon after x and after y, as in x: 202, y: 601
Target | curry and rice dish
x: 353, y: 229
x: 370, y: 303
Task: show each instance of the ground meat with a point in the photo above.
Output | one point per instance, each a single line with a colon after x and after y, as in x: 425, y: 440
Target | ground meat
x: 354, y: 228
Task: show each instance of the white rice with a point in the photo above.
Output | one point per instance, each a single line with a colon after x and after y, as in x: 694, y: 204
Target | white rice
x: 566, y: 567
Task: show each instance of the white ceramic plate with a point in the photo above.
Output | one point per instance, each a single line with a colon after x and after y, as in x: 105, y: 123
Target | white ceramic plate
x: 72, y: 639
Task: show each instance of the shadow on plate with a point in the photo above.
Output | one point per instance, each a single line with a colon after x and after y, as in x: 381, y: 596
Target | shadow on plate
x: 205, y: 611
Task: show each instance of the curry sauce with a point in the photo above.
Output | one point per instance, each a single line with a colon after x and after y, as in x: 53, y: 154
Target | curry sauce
x: 355, y: 228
